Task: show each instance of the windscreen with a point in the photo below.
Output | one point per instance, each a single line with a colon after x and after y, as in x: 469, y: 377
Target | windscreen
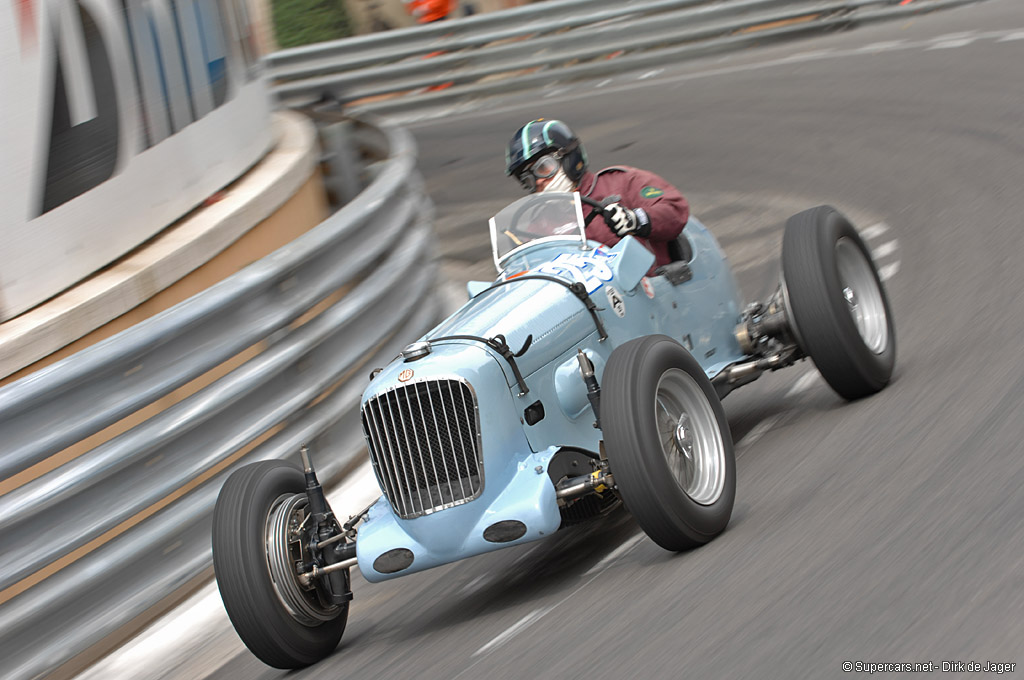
x: 546, y: 216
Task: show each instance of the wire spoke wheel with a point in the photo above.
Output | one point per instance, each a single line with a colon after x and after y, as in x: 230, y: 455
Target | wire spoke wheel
x: 691, y: 442
x: 668, y: 443
x: 836, y: 304
x: 258, y: 527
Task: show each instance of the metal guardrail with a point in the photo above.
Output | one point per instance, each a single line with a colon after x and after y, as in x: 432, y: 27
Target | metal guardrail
x: 376, y: 249
x: 551, y: 42
x: 296, y: 389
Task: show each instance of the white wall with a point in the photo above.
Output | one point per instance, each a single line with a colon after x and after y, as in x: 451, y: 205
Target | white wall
x: 117, y: 117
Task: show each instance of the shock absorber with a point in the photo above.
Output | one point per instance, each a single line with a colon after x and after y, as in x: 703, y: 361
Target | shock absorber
x: 323, y: 523
x: 593, y: 389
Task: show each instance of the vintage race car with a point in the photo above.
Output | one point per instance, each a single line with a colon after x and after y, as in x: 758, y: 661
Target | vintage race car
x: 577, y: 380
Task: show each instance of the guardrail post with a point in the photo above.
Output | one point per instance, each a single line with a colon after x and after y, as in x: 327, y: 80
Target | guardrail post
x: 342, y: 176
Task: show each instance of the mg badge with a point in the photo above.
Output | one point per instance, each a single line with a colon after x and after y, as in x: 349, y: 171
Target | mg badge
x: 405, y: 375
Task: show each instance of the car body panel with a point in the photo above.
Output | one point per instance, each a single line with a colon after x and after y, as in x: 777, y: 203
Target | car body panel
x: 560, y: 321
x: 453, y: 534
x: 701, y: 313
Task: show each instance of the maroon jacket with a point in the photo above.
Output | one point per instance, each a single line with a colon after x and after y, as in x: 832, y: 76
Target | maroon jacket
x: 665, y: 206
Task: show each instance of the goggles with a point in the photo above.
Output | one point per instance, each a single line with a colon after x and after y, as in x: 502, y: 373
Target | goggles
x: 544, y: 167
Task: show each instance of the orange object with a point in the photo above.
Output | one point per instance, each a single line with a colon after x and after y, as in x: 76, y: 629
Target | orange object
x: 215, y: 197
x: 426, y: 11
x: 27, y: 23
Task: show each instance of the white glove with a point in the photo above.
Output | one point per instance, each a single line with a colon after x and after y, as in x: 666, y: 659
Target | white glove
x: 624, y: 221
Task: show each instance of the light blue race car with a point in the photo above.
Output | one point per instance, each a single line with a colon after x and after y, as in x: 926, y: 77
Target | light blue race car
x: 577, y: 380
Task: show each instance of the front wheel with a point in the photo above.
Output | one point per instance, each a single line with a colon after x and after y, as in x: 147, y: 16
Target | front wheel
x: 256, y: 545
x: 837, y: 303
x: 668, y: 442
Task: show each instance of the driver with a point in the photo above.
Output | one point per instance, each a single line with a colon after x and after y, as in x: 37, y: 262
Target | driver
x: 545, y: 155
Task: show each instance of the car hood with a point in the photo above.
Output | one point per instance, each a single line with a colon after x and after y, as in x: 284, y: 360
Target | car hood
x: 550, y: 313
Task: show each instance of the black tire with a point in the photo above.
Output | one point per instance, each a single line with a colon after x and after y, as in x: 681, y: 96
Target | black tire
x: 644, y: 380
x: 240, y: 561
x: 836, y: 302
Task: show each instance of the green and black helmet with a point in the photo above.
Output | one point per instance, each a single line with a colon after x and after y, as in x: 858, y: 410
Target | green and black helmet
x: 540, y: 137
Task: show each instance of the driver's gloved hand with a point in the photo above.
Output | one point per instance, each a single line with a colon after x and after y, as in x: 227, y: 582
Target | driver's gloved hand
x: 625, y: 222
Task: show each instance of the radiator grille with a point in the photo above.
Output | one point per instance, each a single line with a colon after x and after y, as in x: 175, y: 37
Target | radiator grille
x: 424, y: 442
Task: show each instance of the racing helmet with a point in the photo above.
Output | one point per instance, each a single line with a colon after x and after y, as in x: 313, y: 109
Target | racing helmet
x: 540, y: 137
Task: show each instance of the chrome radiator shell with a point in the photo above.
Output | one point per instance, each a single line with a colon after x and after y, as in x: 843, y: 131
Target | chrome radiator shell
x: 425, y: 444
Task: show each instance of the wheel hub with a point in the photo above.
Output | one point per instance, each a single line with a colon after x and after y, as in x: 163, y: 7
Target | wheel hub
x: 851, y: 303
x: 862, y: 294
x: 851, y: 297
x: 285, y: 549
x: 683, y: 436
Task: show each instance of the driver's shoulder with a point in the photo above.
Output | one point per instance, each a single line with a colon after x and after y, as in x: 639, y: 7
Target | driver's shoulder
x: 613, y: 169
x: 613, y: 176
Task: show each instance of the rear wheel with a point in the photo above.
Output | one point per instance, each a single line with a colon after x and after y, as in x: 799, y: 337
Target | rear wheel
x: 256, y: 545
x: 668, y: 442
x: 837, y: 303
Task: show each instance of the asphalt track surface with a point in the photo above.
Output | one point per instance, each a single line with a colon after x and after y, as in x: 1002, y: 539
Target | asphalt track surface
x: 886, y: 530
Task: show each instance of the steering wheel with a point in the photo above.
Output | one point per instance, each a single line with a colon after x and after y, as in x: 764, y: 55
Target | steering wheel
x: 597, y: 207
x: 525, y: 213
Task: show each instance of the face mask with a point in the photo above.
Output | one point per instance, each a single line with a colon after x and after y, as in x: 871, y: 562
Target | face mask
x: 560, y: 182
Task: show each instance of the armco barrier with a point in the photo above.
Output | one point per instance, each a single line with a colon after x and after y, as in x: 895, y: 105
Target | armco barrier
x: 303, y: 387
x: 413, y: 69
